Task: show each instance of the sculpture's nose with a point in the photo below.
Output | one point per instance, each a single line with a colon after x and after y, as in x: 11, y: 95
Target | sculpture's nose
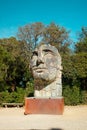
x: 40, y: 59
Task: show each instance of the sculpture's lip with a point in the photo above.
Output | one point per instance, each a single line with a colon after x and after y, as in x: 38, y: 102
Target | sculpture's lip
x: 39, y: 68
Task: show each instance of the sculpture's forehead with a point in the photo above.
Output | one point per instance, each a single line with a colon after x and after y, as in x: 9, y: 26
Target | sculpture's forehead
x: 47, y: 47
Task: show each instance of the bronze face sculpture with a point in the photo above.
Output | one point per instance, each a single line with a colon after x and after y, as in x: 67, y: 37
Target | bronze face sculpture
x: 46, y: 68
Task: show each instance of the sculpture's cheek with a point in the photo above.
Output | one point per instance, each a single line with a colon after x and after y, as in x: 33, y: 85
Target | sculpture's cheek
x: 51, y: 62
x: 33, y: 61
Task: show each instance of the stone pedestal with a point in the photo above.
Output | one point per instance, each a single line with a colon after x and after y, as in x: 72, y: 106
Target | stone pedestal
x: 44, y: 106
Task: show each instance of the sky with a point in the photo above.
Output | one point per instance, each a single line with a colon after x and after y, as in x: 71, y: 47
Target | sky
x: 71, y: 14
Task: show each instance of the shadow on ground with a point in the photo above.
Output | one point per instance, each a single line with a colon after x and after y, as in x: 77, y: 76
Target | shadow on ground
x: 49, y: 129
x: 56, y: 129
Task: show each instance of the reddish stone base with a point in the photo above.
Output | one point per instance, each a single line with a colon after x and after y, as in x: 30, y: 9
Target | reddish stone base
x: 44, y: 106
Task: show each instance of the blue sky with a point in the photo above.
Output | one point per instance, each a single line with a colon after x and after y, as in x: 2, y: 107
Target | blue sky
x: 71, y: 14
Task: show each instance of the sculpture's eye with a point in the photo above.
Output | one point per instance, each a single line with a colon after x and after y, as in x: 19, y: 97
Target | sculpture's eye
x: 46, y: 51
x: 35, y: 53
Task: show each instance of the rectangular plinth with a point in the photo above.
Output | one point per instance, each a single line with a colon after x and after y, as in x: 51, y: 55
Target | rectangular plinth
x: 44, y: 106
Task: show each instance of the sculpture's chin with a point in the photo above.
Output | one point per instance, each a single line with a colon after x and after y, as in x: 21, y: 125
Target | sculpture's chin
x: 47, y: 75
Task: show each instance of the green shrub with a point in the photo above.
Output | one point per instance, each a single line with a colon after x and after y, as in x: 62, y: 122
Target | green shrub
x: 17, y: 96
x: 5, y: 97
x: 13, y: 97
x: 71, y: 95
x: 29, y: 89
x: 84, y: 97
x: 20, y: 95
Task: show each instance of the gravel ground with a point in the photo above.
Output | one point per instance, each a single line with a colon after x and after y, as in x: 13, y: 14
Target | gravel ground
x: 74, y: 118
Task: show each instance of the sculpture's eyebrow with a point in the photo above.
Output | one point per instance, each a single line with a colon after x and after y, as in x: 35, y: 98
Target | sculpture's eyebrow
x: 49, y: 50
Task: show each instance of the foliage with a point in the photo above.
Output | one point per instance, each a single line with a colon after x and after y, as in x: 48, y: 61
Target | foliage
x: 75, y: 70
x: 81, y: 45
x: 84, y: 97
x: 31, y: 33
x: 71, y: 95
x: 57, y: 36
x: 68, y: 70
x: 17, y: 96
x: 5, y: 58
x: 29, y: 89
x: 37, y: 33
x: 80, y: 64
x: 14, y: 63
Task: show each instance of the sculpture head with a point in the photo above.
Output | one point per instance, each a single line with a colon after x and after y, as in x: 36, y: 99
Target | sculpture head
x: 46, y: 63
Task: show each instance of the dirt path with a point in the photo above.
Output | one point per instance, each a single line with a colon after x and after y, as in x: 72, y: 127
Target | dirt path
x: 74, y: 118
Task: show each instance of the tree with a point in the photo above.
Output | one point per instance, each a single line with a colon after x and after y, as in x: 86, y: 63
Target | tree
x: 17, y: 72
x: 57, y: 36
x: 80, y: 65
x: 80, y: 58
x: 69, y: 72
x: 5, y: 58
x: 31, y: 34
x: 37, y: 33
x: 81, y: 45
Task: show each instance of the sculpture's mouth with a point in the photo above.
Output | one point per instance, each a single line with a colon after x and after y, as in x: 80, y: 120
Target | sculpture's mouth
x: 39, y: 70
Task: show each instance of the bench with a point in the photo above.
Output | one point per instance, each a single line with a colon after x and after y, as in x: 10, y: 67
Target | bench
x: 12, y: 105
